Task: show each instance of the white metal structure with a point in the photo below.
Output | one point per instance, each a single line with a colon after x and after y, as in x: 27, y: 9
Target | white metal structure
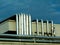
x: 37, y: 27
x: 17, y: 23
x: 47, y: 27
x: 30, y: 25
x: 52, y: 27
x: 27, y: 25
x: 23, y: 24
x: 42, y: 27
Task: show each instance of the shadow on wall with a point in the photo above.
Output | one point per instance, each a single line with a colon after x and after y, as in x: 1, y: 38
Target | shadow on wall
x: 10, y: 32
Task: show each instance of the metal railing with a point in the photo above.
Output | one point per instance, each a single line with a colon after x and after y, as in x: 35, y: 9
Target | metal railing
x: 27, y: 38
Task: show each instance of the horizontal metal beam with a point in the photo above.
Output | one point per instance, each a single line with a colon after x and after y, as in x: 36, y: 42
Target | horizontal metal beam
x: 27, y: 36
x: 30, y: 40
x: 48, y: 41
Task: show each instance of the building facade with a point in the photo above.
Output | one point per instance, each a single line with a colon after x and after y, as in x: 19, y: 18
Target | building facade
x: 21, y: 29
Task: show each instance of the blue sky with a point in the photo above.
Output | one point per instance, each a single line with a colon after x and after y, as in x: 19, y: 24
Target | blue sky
x: 41, y: 9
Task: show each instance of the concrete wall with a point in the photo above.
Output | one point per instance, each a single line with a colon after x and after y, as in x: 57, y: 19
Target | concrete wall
x: 44, y: 27
x: 7, y: 25
x: 12, y: 25
x: 4, y: 27
x: 57, y: 29
x: 33, y: 28
x: 40, y: 28
x: 25, y: 43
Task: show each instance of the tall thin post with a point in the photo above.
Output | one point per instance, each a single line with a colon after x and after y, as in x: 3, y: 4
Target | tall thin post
x: 47, y: 27
x: 17, y: 24
x: 27, y: 24
x: 37, y: 27
x: 30, y: 24
x: 20, y: 27
x: 22, y: 23
x: 52, y: 27
x: 42, y: 27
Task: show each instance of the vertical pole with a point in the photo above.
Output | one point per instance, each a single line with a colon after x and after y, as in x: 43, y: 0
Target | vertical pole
x: 17, y: 24
x: 20, y: 27
x: 30, y: 24
x: 27, y: 24
x: 42, y: 27
x: 22, y: 23
x: 52, y: 27
x: 37, y: 27
x: 47, y: 28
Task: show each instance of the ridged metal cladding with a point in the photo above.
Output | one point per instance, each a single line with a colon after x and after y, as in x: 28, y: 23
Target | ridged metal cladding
x: 42, y: 29
x: 23, y: 24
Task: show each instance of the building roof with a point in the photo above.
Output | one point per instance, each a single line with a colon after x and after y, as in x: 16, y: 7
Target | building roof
x: 11, y: 18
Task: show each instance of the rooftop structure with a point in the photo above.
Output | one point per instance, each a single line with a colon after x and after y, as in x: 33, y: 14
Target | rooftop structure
x: 21, y: 28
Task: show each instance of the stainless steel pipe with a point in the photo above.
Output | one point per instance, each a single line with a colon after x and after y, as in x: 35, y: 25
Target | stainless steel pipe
x: 17, y: 27
x: 37, y: 27
x: 21, y: 29
x: 27, y: 30
x: 22, y: 23
x: 52, y: 30
x: 30, y: 30
x: 47, y: 27
x: 42, y: 29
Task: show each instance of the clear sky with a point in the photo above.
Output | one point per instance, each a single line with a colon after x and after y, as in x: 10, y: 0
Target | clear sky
x: 41, y: 9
